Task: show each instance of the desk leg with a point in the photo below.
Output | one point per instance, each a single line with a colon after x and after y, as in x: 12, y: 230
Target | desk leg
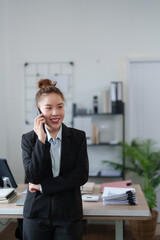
x: 119, y: 230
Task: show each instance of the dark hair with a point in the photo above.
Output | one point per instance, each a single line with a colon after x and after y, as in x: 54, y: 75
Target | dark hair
x: 46, y: 87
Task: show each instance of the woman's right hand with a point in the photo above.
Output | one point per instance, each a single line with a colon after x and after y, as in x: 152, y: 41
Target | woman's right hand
x: 38, y: 127
x: 34, y: 187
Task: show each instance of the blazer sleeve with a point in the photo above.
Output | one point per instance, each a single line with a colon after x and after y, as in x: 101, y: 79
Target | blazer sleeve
x: 74, y: 179
x: 35, y: 159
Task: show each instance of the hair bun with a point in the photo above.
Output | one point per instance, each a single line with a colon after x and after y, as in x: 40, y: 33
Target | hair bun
x: 44, y: 83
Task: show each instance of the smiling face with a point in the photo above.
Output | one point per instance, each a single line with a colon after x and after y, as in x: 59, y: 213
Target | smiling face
x: 52, y: 107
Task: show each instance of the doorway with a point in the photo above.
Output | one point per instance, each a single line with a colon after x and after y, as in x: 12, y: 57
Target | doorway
x: 143, y: 102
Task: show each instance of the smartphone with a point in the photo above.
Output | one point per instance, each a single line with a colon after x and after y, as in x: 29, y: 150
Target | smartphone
x: 38, y: 113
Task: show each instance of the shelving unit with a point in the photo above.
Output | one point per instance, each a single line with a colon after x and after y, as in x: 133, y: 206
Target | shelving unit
x: 105, y: 144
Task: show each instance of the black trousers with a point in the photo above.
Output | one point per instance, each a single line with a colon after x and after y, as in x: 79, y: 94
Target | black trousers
x: 42, y: 229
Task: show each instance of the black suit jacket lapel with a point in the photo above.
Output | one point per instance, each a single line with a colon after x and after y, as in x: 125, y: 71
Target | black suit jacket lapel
x: 65, y: 147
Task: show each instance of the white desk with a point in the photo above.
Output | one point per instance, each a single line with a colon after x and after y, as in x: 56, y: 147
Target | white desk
x: 93, y: 210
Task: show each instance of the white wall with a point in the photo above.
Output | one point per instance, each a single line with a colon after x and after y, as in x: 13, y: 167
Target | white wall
x: 3, y: 104
x: 98, y: 35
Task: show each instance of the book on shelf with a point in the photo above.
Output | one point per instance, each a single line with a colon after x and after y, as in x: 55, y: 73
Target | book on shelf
x: 95, y: 134
x: 113, y: 97
x: 106, y: 101
x: 116, y: 97
x: 119, y: 97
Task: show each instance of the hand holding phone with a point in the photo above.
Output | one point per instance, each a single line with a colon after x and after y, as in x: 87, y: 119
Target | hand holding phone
x: 39, y: 113
x: 39, y: 126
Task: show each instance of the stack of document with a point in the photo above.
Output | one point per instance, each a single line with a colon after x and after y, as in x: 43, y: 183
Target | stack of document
x: 88, y: 187
x: 119, y: 196
x: 7, y: 195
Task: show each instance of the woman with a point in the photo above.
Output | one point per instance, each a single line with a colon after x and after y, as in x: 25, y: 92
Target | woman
x: 56, y: 165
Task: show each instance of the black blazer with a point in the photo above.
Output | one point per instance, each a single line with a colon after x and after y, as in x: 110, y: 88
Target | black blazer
x: 64, y: 190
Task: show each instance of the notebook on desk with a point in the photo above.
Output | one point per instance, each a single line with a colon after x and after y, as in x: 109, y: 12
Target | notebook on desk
x: 6, y: 192
x: 87, y: 187
x: 119, y: 184
x: 7, y: 195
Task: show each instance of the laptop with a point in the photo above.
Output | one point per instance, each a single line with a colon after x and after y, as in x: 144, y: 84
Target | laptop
x: 20, y: 201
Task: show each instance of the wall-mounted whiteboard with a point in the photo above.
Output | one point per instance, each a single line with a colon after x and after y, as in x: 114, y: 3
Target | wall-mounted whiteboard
x: 62, y: 72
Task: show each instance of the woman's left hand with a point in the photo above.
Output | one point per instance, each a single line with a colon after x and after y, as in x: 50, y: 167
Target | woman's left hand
x: 34, y: 187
